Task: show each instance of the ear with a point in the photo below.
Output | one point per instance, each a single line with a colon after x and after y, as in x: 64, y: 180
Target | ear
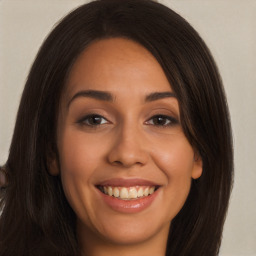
x: 198, y: 166
x: 53, y: 166
x: 3, y: 177
x: 53, y: 163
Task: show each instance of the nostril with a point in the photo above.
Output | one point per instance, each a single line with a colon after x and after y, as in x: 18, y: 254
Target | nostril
x: 127, y: 152
x: 117, y: 162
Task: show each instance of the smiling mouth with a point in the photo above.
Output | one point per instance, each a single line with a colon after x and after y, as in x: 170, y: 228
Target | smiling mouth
x: 128, y: 193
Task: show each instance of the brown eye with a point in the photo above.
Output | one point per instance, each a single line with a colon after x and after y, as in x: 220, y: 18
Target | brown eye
x: 162, y: 120
x: 93, y: 120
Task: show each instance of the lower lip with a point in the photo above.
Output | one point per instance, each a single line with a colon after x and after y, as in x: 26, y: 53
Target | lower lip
x: 129, y: 206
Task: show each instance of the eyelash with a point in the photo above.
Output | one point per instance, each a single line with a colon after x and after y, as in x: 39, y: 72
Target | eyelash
x: 85, y: 120
x: 171, y: 121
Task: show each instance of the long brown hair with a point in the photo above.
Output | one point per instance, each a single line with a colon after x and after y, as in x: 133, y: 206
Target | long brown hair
x: 36, y: 217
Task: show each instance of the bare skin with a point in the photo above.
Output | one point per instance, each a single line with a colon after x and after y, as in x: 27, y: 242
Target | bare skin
x: 3, y: 181
x: 131, y: 131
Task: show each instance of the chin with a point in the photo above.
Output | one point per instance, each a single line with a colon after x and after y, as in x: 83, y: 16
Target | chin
x: 131, y: 230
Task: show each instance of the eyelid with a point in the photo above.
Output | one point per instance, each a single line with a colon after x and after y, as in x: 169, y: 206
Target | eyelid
x: 173, y: 120
x: 82, y: 120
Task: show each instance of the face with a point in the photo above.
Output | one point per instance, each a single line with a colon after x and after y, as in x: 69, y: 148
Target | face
x: 125, y: 163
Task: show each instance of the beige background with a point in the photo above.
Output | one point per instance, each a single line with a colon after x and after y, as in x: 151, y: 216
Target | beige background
x: 229, y: 29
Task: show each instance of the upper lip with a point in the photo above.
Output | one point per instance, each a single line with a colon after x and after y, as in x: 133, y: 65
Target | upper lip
x: 121, y: 182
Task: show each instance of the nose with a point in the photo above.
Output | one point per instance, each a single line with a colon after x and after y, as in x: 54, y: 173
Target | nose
x: 128, y: 149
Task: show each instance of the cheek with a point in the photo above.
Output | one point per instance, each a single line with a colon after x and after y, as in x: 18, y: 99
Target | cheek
x: 175, y: 158
x: 79, y: 157
x: 79, y: 153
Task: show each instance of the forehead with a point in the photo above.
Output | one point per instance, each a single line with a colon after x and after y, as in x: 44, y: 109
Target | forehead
x: 117, y: 65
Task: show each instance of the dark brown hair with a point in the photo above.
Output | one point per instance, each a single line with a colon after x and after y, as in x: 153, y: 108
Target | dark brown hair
x: 36, y: 218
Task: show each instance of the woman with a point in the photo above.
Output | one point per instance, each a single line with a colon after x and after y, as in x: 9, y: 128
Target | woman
x: 122, y: 144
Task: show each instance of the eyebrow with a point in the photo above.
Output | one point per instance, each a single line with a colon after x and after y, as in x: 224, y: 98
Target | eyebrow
x: 98, y: 95
x: 106, y: 96
x: 159, y: 95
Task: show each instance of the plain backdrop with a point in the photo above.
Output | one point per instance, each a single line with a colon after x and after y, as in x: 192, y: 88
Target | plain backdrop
x: 229, y: 29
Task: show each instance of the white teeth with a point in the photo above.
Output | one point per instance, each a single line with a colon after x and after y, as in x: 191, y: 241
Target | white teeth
x: 146, y: 192
x: 133, y: 193
x: 140, y: 192
x: 128, y: 193
x: 110, y: 191
x: 116, y: 192
x: 124, y: 193
x: 151, y: 190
